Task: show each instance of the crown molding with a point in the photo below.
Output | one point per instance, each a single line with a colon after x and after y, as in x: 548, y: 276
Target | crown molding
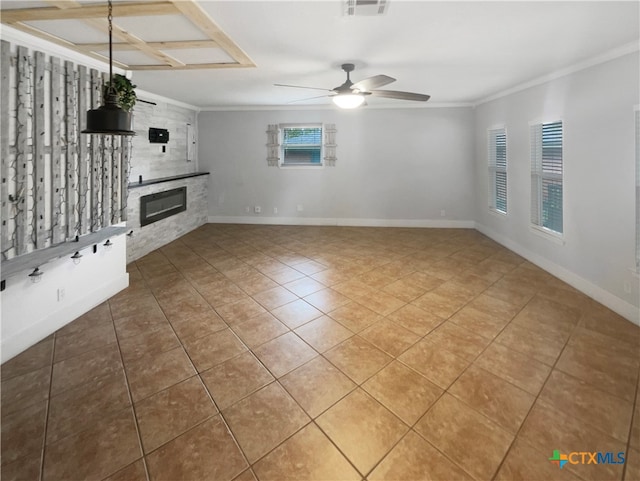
x: 242, y: 108
x: 612, y: 54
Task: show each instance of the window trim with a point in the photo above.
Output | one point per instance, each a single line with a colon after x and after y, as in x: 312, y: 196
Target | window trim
x: 549, y: 234
x: 309, y: 165
x: 492, y: 170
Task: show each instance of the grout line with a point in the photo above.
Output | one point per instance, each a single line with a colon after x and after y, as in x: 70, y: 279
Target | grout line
x: 636, y: 400
x: 133, y: 408
x: 43, y: 451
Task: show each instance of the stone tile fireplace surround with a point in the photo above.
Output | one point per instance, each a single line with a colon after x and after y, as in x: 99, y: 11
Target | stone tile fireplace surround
x: 144, y: 239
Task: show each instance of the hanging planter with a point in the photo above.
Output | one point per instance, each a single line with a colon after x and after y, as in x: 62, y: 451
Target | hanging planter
x: 126, y: 91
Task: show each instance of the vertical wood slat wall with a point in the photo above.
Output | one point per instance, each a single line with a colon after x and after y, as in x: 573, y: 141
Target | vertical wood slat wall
x: 56, y: 183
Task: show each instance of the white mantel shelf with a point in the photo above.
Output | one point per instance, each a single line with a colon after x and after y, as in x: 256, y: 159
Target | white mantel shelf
x: 41, y: 257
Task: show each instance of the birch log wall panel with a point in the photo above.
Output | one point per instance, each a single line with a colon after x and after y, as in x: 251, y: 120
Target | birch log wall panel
x: 57, y: 172
x: 56, y: 182
x: 5, y: 65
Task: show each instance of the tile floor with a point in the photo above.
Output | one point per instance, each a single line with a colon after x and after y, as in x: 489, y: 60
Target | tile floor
x: 326, y: 353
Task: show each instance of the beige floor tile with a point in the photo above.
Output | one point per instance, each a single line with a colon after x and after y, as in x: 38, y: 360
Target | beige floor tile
x: 479, y: 322
x: 539, y: 346
x: 317, y: 385
x: 86, y: 367
x: 200, y: 325
x: 614, y: 374
x: 404, y: 289
x: 323, y: 333
x: 354, y: 316
x: 259, y: 330
x: 296, y: 313
x: 547, y: 428
x: 525, y: 462
x: 136, y: 324
x: 167, y: 414
x: 590, y: 405
x: 403, y: 391
x: 205, y: 452
x: 75, y: 409
x: 349, y: 425
x: 25, y: 468
x: 499, y: 400
x: 159, y: 339
x: 285, y: 275
x: 36, y: 357
x: 438, y: 304
x: 151, y: 374
x: 415, y: 459
x: 632, y: 469
x: 416, y: 320
x: 358, y: 358
x: 24, y: 390
x: 22, y: 432
x: 274, y: 297
x: 476, y: 444
x: 390, y: 337
x: 438, y: 365
x: 304, y: 286
x: 307, y: 455
x: 458, y: 340
x: 326, y: 300
x: 264, y: 419
x: 380, y: 302
x: 211, y: 350
x: 284, y: 354
x: 104, y: 448
x: 236, y: 378
x: 240, y: 311
x: 256, y: 283
x: 525, y: 372
x: 245, y: 476
x: 133, y: 472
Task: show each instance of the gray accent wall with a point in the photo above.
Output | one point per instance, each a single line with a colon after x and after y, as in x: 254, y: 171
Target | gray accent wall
x: 393, y: 165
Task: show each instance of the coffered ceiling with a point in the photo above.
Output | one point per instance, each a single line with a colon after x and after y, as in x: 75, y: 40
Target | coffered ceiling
x: 228, y: 54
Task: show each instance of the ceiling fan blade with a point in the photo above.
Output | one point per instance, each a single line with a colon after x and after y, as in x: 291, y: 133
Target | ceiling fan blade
x: 301, y: 87
x: 374, y: 82
x: 394, y: 94
x: 309, y: 98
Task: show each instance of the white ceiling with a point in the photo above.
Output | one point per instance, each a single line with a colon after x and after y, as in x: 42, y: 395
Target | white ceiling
x: 458, y: 52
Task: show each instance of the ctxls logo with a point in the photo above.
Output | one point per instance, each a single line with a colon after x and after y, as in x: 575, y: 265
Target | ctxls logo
x: 585, y: 457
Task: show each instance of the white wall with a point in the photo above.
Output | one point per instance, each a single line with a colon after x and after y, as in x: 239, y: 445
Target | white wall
x: 30, y: 312
x: 596, y: 105
x: 394, y: 167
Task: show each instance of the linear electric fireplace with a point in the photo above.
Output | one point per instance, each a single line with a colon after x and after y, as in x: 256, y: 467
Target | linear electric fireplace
x: 158, y: 206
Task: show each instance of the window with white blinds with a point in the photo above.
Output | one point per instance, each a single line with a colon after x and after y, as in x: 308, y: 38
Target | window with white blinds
x: 637, y: 190
x: 546, y: 175
x: 498, y: 170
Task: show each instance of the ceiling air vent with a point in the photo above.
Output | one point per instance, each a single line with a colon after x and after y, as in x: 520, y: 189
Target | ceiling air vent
x: 359, y: 8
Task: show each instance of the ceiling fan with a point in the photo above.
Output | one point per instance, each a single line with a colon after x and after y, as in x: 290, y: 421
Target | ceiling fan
x: 350, y: 95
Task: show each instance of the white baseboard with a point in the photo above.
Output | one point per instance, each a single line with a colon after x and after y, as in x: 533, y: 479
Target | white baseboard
x: 14, y: 345
x: 346, y: 222
x: 613, y: 302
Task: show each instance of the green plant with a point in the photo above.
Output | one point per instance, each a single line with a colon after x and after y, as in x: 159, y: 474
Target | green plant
x: 125, y: 90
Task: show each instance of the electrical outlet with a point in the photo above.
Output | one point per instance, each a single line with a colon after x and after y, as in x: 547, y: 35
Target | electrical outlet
x: 275, y: 210
x: 300, y: 207
x: 61, y: 294
x: 257, y: 209
x: 443, y: 213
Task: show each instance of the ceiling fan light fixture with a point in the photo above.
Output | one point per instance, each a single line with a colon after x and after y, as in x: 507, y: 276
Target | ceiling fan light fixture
x: 348, y: 101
